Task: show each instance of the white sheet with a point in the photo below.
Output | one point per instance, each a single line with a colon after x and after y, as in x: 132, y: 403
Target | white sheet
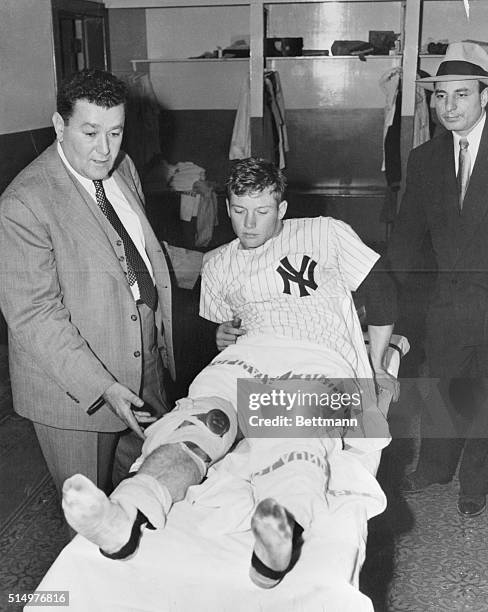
x: 191, y: 567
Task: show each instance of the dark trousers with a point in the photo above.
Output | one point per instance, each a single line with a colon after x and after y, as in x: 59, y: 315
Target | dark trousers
x: 455, y: 420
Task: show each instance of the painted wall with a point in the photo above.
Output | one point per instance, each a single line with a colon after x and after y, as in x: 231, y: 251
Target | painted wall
x: 454, y: 25
x: 332, y: 82
x: 26, y: 65
x: 199, y: 84
x: 127, y: 34
x: 27, y: 99
x: 190, y: 31
x: 319, y: 24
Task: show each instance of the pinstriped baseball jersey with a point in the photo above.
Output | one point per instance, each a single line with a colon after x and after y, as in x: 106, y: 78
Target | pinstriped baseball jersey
x: 298, y: 284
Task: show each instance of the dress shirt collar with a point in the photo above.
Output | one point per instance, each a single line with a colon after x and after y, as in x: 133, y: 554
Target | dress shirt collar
x: 474, y: 138
x: 86, y: 183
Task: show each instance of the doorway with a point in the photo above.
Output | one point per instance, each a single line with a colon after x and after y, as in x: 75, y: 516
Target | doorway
x: 80, y: 31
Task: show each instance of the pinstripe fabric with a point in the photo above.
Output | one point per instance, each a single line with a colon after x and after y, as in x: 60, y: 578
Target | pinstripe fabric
x: 249, y: 284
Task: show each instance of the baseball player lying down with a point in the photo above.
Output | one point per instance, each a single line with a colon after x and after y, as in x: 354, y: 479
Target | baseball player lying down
x: 290, y: 284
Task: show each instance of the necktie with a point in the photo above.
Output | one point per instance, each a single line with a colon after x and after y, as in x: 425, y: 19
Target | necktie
x: 464, y: 169
x: 136, y: 268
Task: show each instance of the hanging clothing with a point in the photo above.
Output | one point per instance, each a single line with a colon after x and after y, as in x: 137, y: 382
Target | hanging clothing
x: 181, y: 177
x: 275, y: 136
x: 421, y: 118
x: 390, y: 83
x: 207, y: 217
x: 183, y: 174
x: 392, y: 164
x: 275, y: 102
x: 141, y: 133
x: 189, y: 205
x: 240, y: 146
x: 198, y: 199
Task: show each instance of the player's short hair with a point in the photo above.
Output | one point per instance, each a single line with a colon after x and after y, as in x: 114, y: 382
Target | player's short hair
x: 96, y: 86
x: 254, y: 175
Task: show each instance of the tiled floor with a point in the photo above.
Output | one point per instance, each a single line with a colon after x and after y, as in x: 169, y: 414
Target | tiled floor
x: 31, y: 529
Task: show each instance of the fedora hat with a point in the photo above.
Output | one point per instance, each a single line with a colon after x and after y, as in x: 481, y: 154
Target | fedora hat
x: 464, y: 61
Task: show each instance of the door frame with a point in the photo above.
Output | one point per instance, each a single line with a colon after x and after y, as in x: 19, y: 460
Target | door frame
x: 76, y: 9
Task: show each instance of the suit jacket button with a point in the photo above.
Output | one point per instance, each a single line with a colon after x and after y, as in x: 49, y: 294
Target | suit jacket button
x: 133, y: 317
x: 119, y: 243
x: 121, y: 258
x: 137, y: 353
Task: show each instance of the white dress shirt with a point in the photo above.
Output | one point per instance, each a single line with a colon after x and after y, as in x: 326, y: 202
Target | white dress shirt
x: 473, y: 138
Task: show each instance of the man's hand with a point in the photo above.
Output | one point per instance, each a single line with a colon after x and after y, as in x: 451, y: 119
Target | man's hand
x: 386, y: 381
x: 121, y: 400
x: 227, y: 334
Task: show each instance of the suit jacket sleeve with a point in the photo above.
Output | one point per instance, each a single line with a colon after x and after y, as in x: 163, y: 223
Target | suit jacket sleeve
x: 31, y: 301
x: 411, y: 224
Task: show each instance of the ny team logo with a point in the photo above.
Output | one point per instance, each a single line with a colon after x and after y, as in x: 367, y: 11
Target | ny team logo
x: 290, y: 275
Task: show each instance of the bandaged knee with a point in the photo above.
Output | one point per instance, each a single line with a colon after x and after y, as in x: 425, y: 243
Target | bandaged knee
x: 207, y: 423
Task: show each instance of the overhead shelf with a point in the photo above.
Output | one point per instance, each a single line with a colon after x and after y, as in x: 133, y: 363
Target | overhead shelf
x: 161, y: 60
x: 331, y: 57
x: 143, y: 4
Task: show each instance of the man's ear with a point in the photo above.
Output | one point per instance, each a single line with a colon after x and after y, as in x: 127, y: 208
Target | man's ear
x: 58, y: 123
x: 282, y: 206
x: 227, y: 205
x: 484, y: 97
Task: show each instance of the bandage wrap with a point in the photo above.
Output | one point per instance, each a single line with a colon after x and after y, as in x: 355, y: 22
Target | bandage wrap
x: 147, y: 495
x: 210, y: 423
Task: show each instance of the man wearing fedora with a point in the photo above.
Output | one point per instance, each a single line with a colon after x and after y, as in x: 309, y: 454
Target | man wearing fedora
x: 447, y: 196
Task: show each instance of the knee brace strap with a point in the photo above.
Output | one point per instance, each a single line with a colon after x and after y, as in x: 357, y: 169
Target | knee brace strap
x: 147, y: 495
x: 208, y: 422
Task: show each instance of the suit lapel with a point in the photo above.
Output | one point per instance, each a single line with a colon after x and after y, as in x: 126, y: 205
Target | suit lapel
x: 160, y: 267
x: 475, y: 205
x: 79, y: 210
x: 475, y: 199
x: 153, y: 248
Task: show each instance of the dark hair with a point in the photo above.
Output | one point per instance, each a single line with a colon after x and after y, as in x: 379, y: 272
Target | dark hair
x: 97, y: 86
x: 254, y: 175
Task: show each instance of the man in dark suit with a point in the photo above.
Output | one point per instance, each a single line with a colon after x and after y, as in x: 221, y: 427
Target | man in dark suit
x: 447, y: 196
x: 84, y: 287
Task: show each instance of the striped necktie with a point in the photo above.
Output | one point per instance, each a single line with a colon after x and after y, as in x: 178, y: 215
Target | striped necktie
x: 464, y: 170
x: 136, y: 268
